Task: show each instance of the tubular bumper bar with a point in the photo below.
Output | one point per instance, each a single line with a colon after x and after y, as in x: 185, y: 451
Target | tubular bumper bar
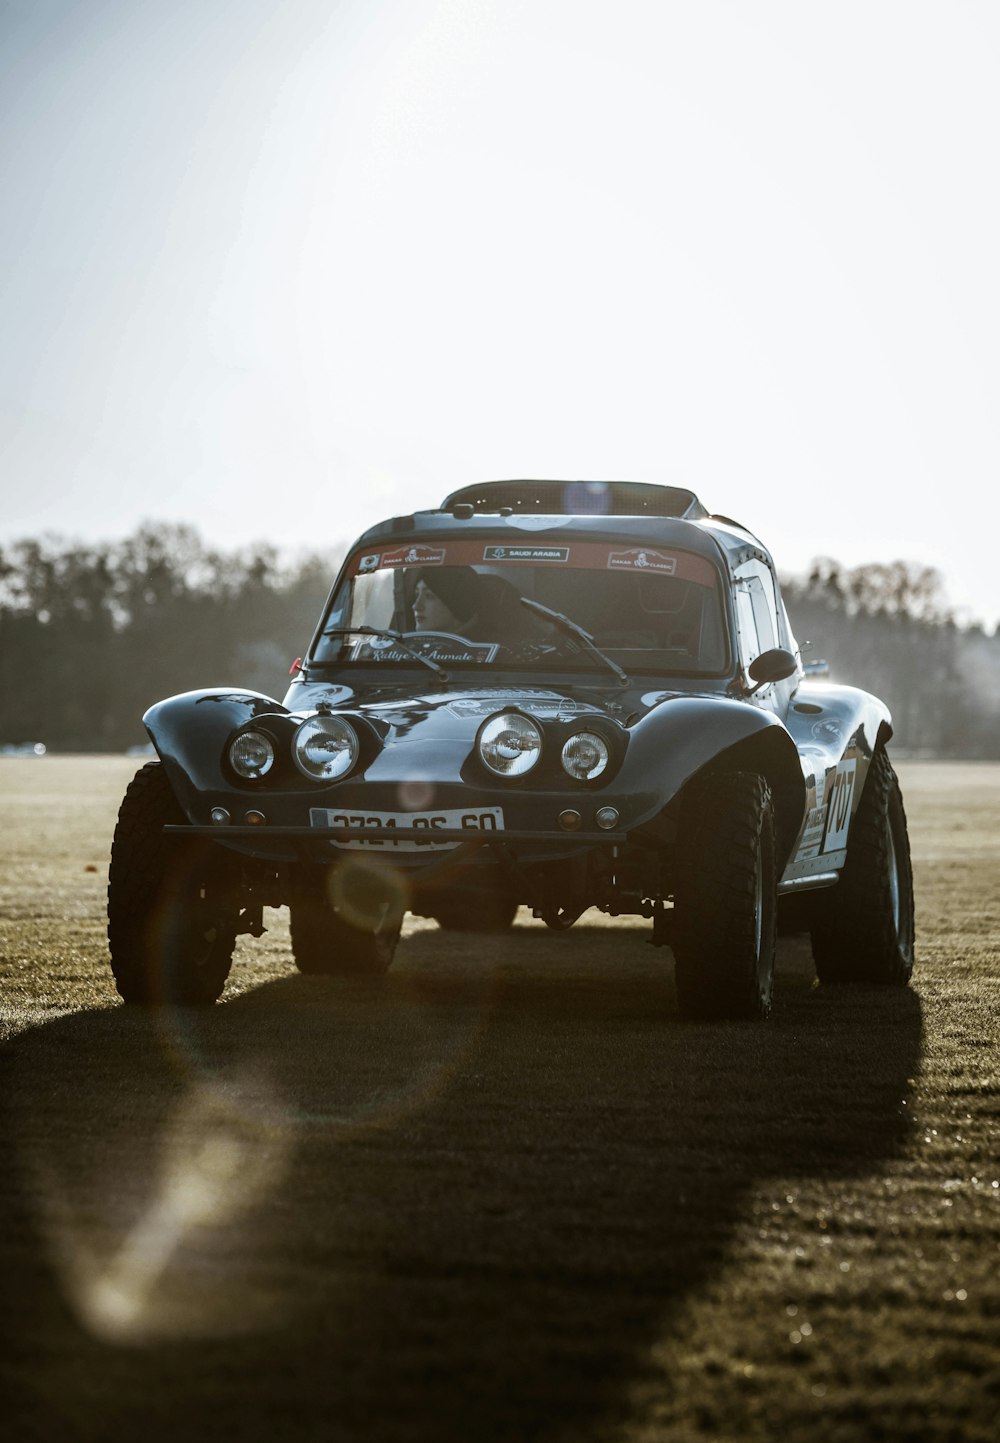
x: 350, y: 836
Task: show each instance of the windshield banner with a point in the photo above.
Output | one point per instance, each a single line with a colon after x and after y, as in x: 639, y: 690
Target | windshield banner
x: 583, y: 555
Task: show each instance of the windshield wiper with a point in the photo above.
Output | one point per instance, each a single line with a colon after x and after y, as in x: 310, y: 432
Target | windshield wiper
x: 572, y: 629
x: 396, y: 636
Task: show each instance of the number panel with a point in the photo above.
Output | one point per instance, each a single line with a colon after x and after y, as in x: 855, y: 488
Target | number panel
x: 488, y: 819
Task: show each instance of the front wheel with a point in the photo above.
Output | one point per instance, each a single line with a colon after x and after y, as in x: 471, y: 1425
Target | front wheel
x: 173, y: 904
x: 725, y: 900
x: 862, y: 929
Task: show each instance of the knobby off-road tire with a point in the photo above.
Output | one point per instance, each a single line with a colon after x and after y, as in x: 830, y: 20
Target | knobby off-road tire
x: 325, y: 941
x: 725, y: 901
x: 173, y: 904
x: 862, y: 929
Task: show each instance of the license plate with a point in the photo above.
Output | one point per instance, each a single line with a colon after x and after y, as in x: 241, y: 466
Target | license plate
x: 489, y: 819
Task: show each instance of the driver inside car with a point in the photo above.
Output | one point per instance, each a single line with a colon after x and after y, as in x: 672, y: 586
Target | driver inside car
x: 447, y: 599
x: 477, y: 607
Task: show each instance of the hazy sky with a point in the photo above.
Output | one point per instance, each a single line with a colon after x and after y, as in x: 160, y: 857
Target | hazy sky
x: 282, y: 267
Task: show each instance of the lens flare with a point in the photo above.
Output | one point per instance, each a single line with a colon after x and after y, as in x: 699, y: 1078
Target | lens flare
x: 215, y: 1164
x: 416, y: 794
x: 368, y: 892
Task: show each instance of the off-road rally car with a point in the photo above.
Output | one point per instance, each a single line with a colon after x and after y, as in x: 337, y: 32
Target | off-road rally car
x: 541, y: 694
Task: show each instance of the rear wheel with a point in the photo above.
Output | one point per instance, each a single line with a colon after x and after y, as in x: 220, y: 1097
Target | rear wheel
x: 173, y: 904
x: 725, y: 901
x: 862, y: 929
x: 474, y: 912
x: 359, y: 940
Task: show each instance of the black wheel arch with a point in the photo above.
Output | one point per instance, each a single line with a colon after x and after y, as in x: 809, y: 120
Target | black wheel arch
x: 771, y: 754
x: 189, y: 732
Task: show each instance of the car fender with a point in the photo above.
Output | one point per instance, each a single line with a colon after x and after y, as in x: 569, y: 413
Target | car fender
x: 685, y: 737
x: 837, y: 730
x: 189, y: 733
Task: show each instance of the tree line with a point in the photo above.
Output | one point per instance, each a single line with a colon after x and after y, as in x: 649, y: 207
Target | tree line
x: 92, y: 635
x: 889, y: 629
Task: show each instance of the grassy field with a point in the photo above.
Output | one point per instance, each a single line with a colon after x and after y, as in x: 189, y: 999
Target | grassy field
x: 505, y: 1194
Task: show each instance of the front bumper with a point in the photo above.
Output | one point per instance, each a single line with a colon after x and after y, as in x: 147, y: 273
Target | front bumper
x: 407, y: 848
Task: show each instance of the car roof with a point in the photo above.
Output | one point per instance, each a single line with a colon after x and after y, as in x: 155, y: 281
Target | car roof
x: 622, y: 511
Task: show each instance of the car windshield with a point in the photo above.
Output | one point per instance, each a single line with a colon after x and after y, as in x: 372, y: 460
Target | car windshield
x: 459, y: 603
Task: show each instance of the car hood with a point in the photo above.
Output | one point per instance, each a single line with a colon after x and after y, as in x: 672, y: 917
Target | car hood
x: 432, y: 731
x: 406, y: 711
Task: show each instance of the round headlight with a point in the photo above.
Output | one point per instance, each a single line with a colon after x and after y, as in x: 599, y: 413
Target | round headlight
x: 585, y: 756
x: 325, y: 748
x: 510, y: 744
x: 251, y: 755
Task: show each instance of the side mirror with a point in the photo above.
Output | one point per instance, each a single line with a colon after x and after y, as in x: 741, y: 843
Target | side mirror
x: 770, y: 666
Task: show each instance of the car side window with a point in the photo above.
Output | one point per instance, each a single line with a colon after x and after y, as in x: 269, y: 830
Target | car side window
x: 756, y: 610
x: 746, y: 622
x: 763, y: 615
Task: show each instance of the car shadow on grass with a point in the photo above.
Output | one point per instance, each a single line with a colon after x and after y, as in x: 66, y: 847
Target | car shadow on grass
x: 463, y: 1202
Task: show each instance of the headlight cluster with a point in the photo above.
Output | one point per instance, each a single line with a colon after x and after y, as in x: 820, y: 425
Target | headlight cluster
x: 510, y: 745
x: 324, y: 748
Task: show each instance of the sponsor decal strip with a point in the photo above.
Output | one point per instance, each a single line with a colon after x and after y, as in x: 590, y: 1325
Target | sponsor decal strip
x: 495, y: 555
x: 812, y: 836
